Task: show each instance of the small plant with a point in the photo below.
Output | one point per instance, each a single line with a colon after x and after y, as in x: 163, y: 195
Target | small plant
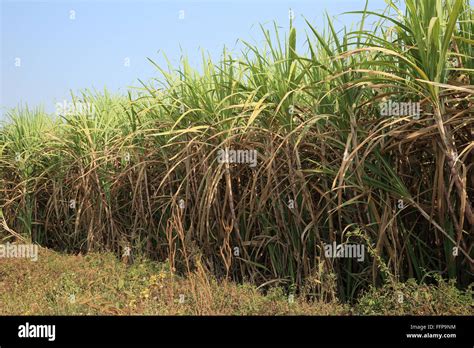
x: 411, y: 298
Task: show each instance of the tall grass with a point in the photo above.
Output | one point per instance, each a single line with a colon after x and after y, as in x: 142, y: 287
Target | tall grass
x: 142, y: 170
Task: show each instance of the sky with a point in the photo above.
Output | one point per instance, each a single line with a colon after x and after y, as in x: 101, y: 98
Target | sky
x: 49, y: 48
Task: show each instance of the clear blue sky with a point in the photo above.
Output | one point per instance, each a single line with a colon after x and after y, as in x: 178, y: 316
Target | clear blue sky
x: 59, y: 54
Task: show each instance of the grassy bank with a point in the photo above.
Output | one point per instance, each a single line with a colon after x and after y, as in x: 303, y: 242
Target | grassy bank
x: 60, y: 284
x: 142, y: 172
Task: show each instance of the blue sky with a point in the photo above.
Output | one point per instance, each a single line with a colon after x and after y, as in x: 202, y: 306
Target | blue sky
x: 60, y: 50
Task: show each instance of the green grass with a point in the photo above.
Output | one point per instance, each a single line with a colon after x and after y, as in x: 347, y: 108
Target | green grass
x: 315, y: 122
x: 98, y: 284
